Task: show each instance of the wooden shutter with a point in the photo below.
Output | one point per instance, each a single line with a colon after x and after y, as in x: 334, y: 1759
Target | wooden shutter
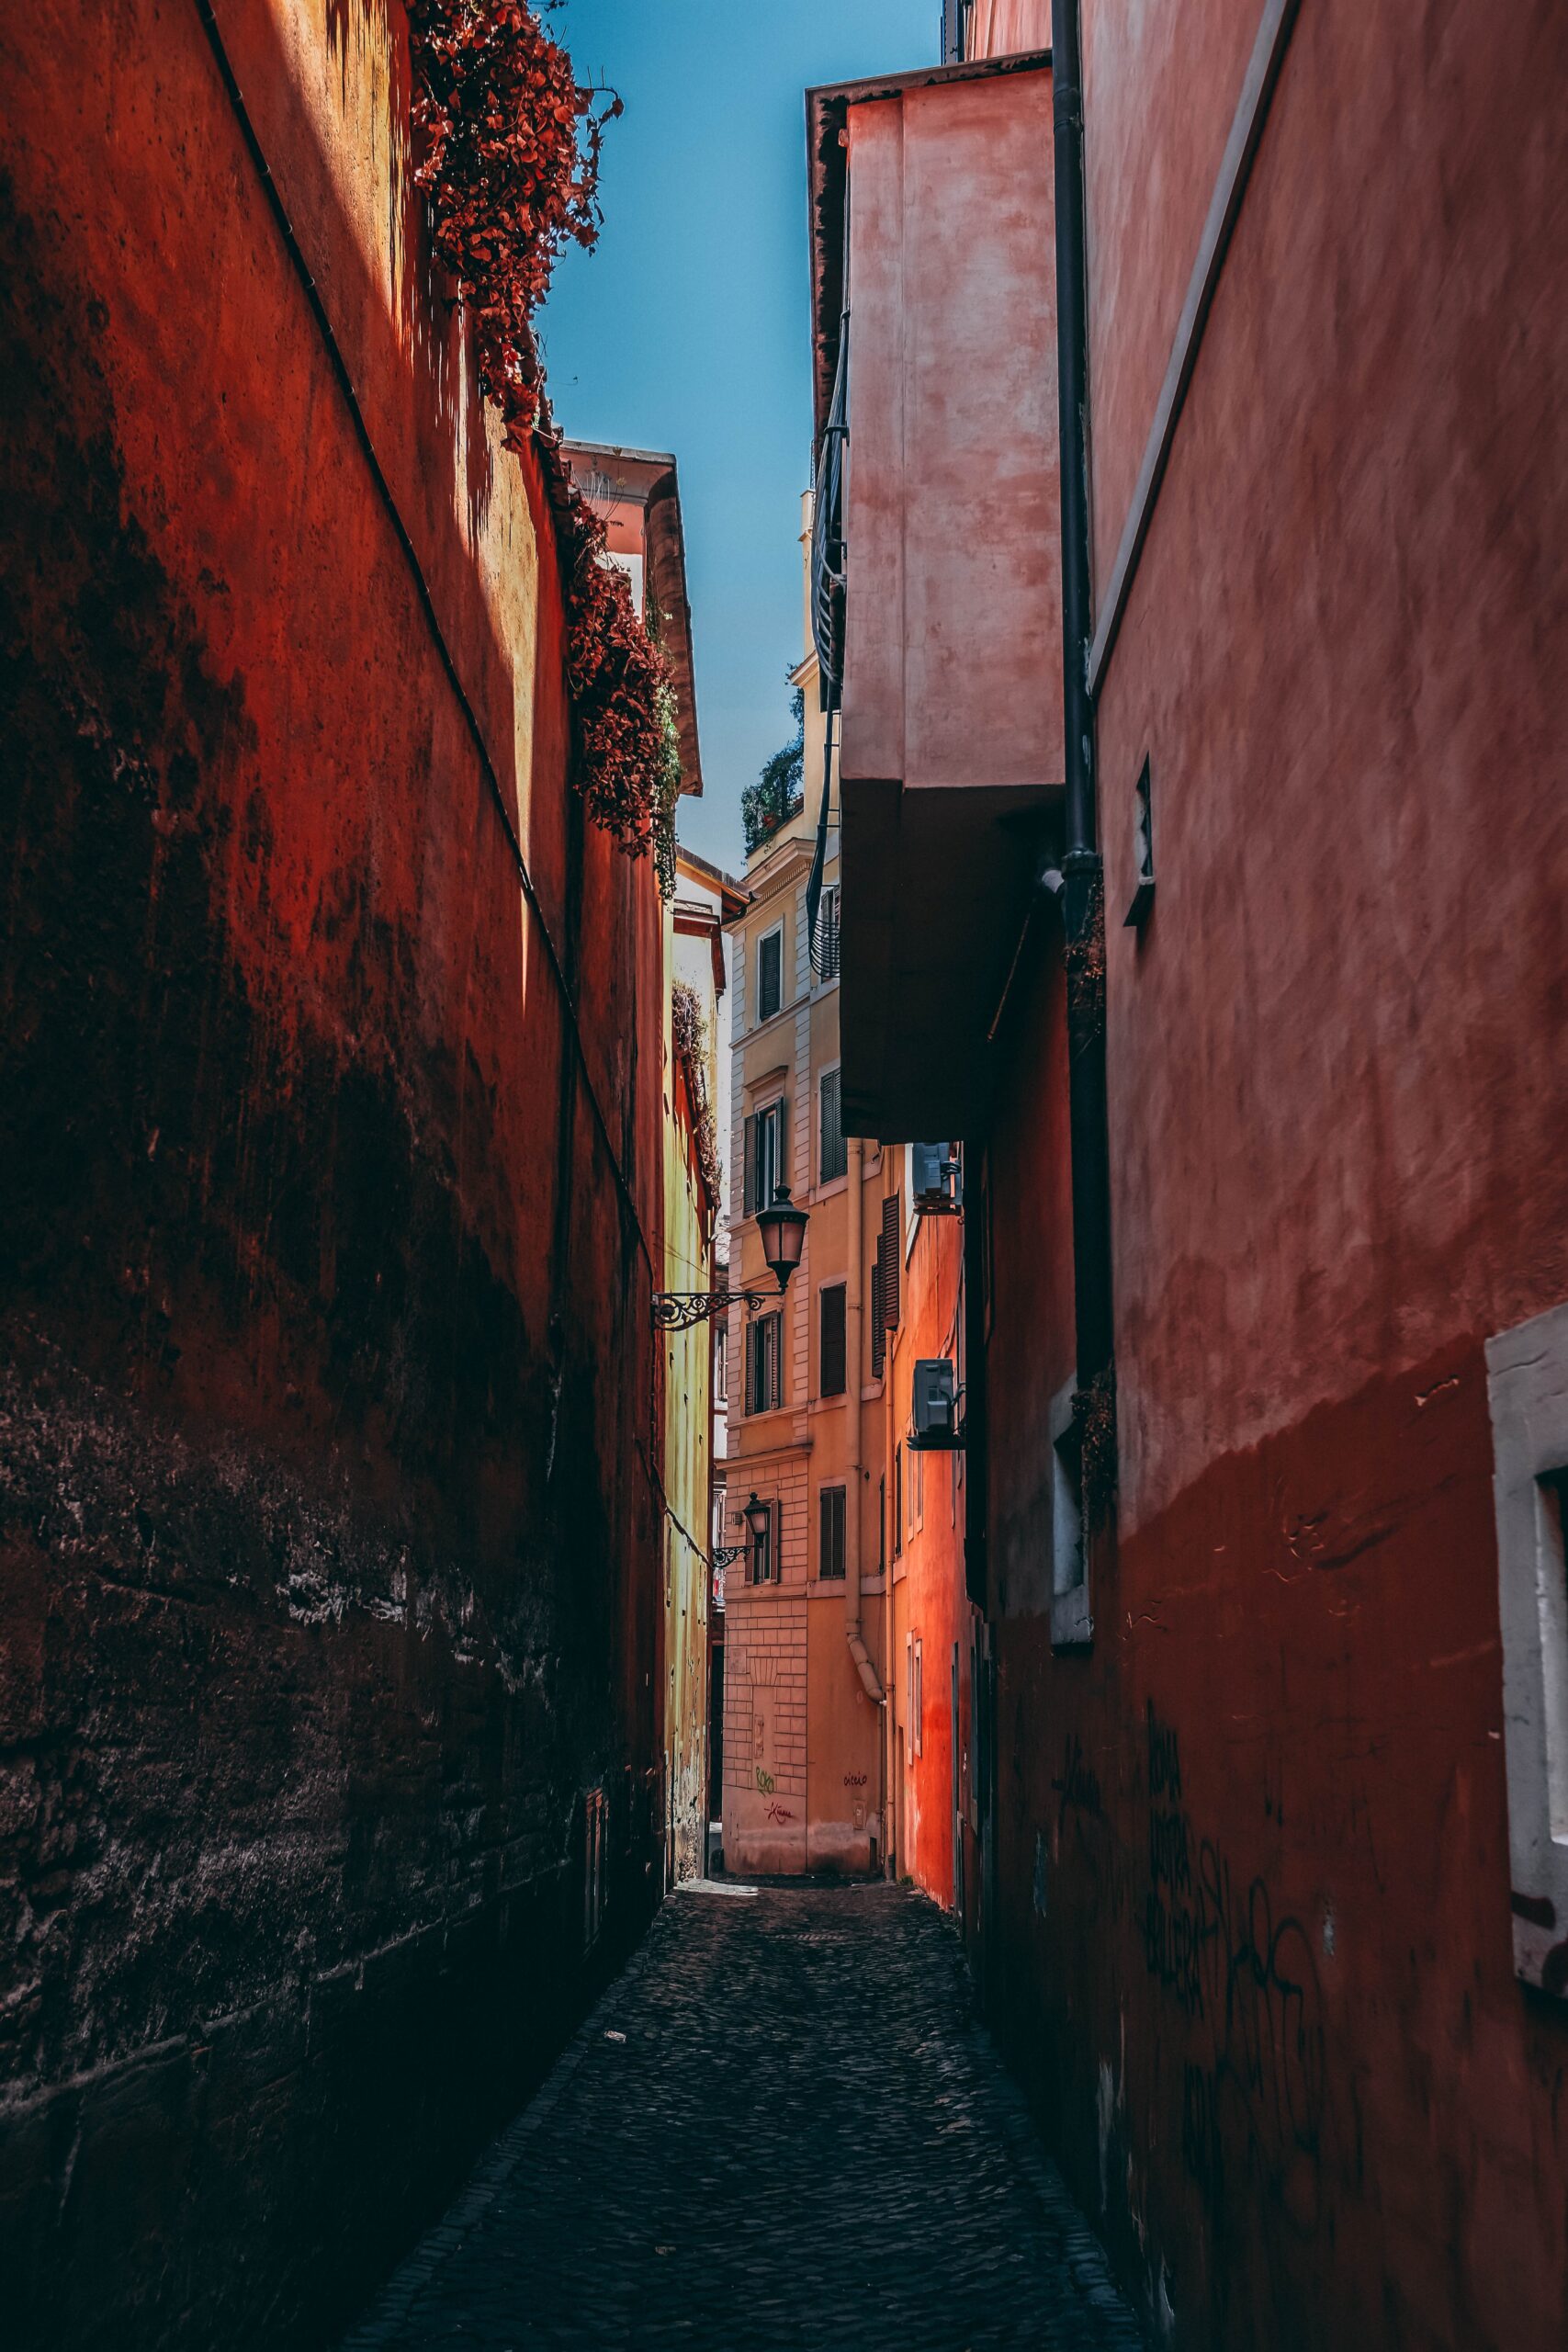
x: 832, y: 1352
x: 749, y: 1167
x: 770, y: 1361
x: 831, y: 1533
x: 878, y: 1328
x: 890, y: 1262
x: 769, y: 957
x: 831, y: 1156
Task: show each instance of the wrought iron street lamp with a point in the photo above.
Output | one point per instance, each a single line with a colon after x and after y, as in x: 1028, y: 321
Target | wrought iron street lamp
x: 758, y: 1517
x: 781, y: 1228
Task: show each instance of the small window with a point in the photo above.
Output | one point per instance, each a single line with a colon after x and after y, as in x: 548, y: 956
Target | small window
x: 1072, y: 1627
x: 721, y: 1363
x: 764, y: 1364
x: 832, y: 1156
x: 1142, y: 898
x: 770, y: 975
x: 762, y: 1566
x: 832, y: 1337
x: 769, y: 1170
x: 882, y: 1526
x: 764, y: 1158
x: 831, y: 1533
x: 914, y: 1659
x: 1528, y: 1392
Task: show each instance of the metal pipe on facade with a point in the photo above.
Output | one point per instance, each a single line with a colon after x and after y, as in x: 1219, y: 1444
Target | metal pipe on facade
x: 1083, y: 894
x: 853, y: 1356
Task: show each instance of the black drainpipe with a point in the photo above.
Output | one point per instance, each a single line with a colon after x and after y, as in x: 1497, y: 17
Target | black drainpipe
x: 1083, y: 890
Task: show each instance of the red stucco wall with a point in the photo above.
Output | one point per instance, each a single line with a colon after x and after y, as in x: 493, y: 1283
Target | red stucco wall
x: 329, y: 1555
x: 1253, y: 1850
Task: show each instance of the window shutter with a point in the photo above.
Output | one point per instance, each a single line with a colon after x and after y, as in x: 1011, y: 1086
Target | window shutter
x: 832, y: 1351
x: 749, y: 1167
x: 878, y: 1328
x: 832, y: 1156
x: 890, y: 1262
x: 831, y: 1533
x: 827, y: 963
x: 783, y: 1176
x: 769, y: 960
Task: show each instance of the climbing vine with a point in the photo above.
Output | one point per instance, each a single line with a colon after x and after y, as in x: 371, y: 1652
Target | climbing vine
x: 507, y: 156
x: 623, y: 699
x: 689, y: 1030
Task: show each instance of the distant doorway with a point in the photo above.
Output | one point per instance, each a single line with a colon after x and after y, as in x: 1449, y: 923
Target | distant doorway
x: 714, y: 1858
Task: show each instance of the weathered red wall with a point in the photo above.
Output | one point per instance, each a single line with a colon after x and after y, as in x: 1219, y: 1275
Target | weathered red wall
x: 1253, y: 1850
x: 929, y: 1596
x: 329, y: 1556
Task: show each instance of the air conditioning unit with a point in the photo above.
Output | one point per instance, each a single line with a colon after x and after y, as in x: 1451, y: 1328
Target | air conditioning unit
x: 935, y: 1179
x: 933, y: 1408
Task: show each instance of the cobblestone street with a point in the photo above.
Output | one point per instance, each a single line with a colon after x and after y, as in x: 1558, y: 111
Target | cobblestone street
x: 780, y: 2128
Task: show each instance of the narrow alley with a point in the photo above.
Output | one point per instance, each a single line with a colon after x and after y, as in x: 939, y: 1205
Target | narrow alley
x: 781, y: 2127
x: 784, y: 1220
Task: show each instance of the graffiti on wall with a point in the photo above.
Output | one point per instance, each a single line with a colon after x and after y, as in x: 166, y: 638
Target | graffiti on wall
x: 1246, y: 1982
x: 1078, y: 1783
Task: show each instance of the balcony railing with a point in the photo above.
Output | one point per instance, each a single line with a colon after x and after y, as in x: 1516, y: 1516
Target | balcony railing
x: 827, y: 532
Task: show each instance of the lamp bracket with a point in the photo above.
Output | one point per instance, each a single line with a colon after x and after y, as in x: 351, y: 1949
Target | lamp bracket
x: 679, y: 1310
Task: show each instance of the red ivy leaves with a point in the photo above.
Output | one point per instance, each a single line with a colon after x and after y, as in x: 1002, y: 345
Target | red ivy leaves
x: 621, y: 692
x: 509, y: 161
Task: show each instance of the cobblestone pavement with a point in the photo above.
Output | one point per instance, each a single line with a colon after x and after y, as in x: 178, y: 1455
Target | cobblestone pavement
x: 780, y: 2128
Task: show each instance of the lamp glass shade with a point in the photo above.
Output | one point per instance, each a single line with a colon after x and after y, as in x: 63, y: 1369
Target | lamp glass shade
x: 782, y: 1229
x: 758, y: 1516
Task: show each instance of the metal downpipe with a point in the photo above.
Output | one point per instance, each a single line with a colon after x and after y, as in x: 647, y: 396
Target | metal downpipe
x: 853, y: 1340
x: 1083, y: 892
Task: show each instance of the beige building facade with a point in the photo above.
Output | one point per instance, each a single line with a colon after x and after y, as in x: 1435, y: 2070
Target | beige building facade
x: 805, y: 1641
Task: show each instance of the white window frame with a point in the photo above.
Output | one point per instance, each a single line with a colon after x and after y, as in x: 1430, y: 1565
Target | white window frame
x: 1527, y: 1391
x: 772, y: 1111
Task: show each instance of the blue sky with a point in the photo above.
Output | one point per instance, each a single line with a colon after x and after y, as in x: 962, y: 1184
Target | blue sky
x: 687, y: 329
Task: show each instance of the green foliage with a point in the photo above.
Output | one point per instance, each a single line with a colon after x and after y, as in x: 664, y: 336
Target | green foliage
x: 778, y: 792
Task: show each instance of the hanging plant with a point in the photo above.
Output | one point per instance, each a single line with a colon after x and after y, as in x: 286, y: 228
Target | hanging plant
x: 623, y: 699
x: 507, y: 152
x: 508, y: 157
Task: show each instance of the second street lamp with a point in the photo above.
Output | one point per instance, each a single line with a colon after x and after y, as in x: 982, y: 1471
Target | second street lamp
x: 780, y: 1228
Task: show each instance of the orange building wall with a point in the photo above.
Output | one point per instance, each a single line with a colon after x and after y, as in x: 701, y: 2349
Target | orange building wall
x: 931, y: 1602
